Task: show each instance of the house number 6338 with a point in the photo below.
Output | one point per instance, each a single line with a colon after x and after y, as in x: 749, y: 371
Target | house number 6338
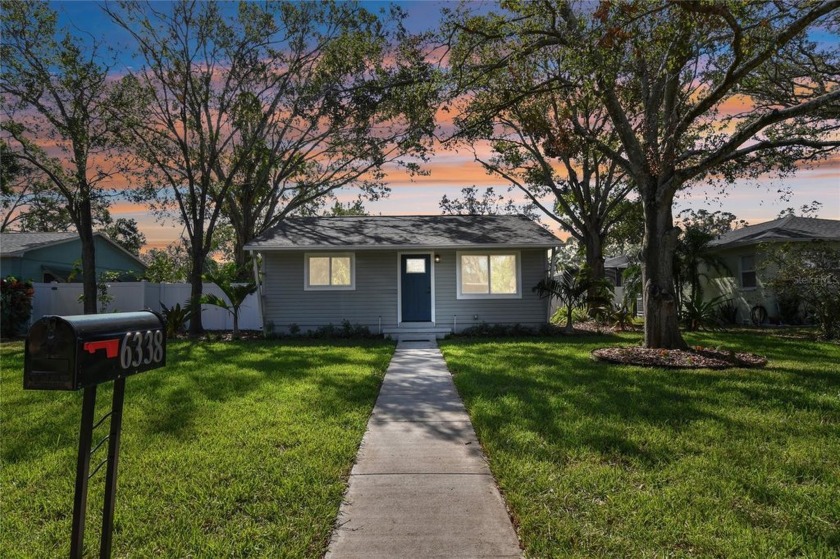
x: 141, y: 347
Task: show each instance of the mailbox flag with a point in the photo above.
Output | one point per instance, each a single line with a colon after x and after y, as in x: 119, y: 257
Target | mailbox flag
x: 111, y: 347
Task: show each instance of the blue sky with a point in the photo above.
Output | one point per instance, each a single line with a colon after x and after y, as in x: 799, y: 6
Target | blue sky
x: 754, y: 201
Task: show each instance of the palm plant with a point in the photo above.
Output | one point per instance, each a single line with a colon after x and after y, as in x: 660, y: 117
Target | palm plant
x: 691, y: 257
x: 176, y: 318
x: 236, y: 293
x: 698, y: 314
x: 570, y: 286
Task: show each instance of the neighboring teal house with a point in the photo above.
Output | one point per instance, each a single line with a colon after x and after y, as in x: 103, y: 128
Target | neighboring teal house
x: 48, y: 257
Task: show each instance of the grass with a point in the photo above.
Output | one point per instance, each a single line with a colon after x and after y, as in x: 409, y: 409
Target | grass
x: 231, y: 450
x: 600, y: 460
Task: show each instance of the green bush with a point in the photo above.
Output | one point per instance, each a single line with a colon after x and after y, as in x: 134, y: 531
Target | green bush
x: 728, y: 312
x: 698, y: 314
x: 345, y: 331
x: 176, y: 318
x: 485, y: 330
x: 789, y: 303
x: 810, y: 273
x: 16, y: 296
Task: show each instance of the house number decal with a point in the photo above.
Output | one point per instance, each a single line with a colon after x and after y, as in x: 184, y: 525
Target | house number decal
x: 141, y: 347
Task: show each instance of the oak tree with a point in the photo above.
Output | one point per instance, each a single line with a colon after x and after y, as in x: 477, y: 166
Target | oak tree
x: 248, y: 115
x: 693, y: 91
x: 56, y: 103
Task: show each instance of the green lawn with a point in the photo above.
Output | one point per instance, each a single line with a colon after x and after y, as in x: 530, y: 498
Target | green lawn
x: 600, y: 460
x: 232, y: 450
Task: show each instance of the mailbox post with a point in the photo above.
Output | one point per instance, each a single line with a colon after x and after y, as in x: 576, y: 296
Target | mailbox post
x: 82, y: 352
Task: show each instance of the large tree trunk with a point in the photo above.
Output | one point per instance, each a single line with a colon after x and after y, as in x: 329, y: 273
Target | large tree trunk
x: 241, y: 257
x: 594, y: 261
x: 85, y: 226
x: 196, y: 287
x: 661, y: 312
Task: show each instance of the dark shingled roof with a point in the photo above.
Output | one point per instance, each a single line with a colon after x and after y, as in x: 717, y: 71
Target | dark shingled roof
x: 617, y: 262
x: 789, y: 228
x: 16, y: 244
x: 421, y: 231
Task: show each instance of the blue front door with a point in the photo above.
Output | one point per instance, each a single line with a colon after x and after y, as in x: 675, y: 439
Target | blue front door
x: 416, y: 287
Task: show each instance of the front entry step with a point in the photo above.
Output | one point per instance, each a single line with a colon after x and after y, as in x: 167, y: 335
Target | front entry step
x: 419, y: 333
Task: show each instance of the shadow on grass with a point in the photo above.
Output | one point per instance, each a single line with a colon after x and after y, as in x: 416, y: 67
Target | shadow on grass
x: 178, y: 399
x: 563, y: 396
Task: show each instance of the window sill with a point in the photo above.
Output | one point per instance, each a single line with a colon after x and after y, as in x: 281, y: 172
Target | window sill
x: 489, y: 296
x: 329, y: 288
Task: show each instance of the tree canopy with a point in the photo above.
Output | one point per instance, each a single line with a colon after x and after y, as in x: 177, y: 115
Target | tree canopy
x: 57, y: 124
x: 252, y: 117
x: 666, y: 74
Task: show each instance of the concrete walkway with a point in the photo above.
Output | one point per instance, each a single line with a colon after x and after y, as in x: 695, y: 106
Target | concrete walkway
x: 421, y: 486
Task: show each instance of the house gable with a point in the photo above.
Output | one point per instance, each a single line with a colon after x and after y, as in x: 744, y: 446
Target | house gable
x: 44, y: 256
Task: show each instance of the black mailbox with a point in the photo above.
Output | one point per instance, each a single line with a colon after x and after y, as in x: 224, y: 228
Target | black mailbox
x: 72, y: 352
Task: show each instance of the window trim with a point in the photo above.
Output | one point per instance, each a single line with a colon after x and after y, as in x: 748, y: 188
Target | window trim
x: 458, y: 287
x: 741, y: 272
x: 308, y: 287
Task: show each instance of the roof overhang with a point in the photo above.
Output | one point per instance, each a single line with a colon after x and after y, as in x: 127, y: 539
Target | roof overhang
x: 339, y: 248
x: 756, y: 242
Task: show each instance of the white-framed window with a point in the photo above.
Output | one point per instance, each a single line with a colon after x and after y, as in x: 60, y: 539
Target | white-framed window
x: 748, y: 277
x: 489, y: 275
x: 333, y: 270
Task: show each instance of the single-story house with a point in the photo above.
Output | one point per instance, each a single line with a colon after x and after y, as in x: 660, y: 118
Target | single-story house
x: 742, y: 251
x: 402, y: 275
x: 48, y: 257
x: 614, y: 269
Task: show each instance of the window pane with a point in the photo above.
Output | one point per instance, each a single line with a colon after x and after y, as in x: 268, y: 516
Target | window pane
x: 474, y: 274
x: 319, y: 270
x: 748, y: 279
x: 415, y: 265
x: 341, y: 270
x: 503, y: 273
x: 748, y: 263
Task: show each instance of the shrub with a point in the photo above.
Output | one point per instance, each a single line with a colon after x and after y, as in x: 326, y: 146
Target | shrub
x: 176, y: 318
x: 618, y: 317
x: 345, y: 331
x: 728, y: 312
x: 497, y: 330
x: 16, y: 296
x: 789, y: 307
x: 809, y: 272
x: 698, y: 314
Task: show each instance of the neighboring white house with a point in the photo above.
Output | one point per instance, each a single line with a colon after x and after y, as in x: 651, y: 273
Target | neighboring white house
x: 614, y: 268
x: 742, y: 251
x: 403, y: 275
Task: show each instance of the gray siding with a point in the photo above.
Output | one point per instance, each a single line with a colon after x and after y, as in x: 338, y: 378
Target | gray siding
x: 376, y: 294
x: 530, y: 310
x: 286, y: 302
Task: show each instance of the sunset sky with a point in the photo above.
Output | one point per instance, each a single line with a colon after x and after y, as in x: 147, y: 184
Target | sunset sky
x: 450, y: 171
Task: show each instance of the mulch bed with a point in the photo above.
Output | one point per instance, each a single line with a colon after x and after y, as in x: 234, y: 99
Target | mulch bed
x: 694, y: 358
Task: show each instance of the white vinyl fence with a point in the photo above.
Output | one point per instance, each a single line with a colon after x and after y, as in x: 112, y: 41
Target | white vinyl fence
x: 64, y: 299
